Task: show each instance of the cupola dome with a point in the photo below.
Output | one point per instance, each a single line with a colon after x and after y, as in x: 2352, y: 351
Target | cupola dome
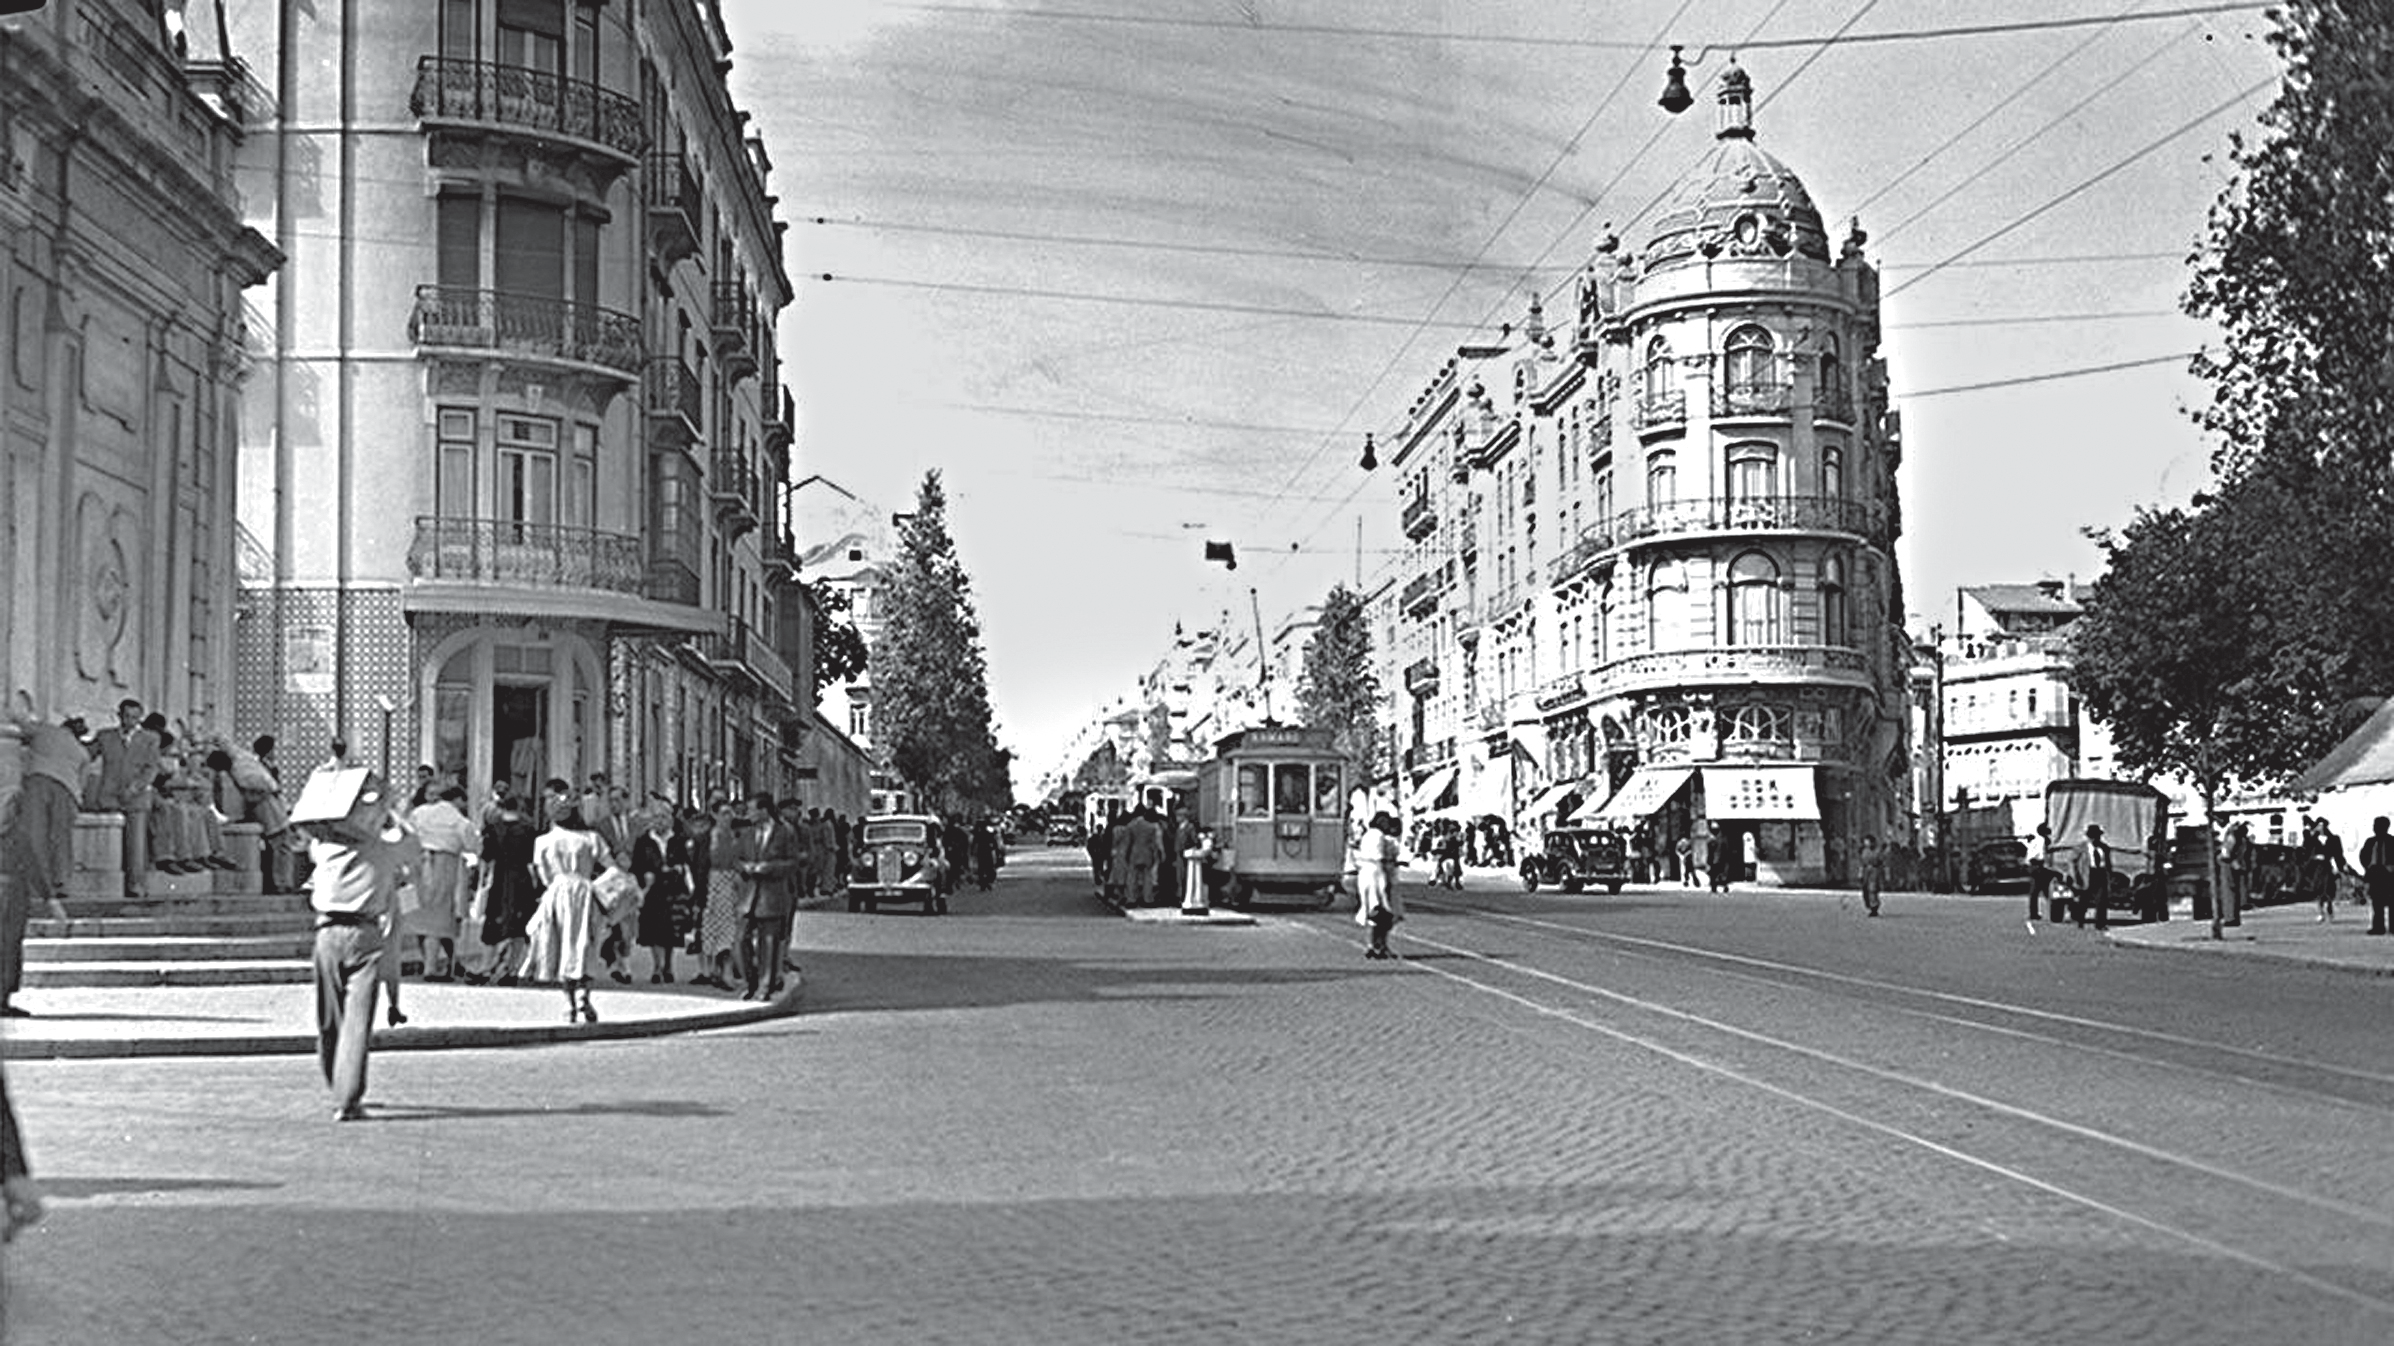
x: 1738, y: 201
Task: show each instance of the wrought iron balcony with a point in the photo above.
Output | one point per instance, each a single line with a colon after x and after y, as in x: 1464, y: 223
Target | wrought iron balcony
x: 1769, y: 398
x: 732, y: 484
x: 1739, y: 664
x: 1741, y: 514
x: 735, y: 329
x: 781, y: 421
x: 676, y: 211
x: 741, y: 652
x: 1422, y: 590
x: 676, y: 403
x: 1421, y: 677
x: 1420, y: 517
x: 528, y: 555
x: 1660, y: 411
x: 1833, y: 404
x: 523, y: 100
x: 499, y: 324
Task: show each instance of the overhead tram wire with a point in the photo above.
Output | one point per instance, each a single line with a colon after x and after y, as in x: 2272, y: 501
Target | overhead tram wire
x: 1331, y: 516
x: 1429, y: 318
x: 1959, y: 257
x: 1088, y: 297
x: 1583, y: 43
x: 2071, y: 193
x: 1045, y: 239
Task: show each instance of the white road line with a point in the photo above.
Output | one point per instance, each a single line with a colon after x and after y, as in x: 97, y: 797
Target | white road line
x: 2211, y: 1246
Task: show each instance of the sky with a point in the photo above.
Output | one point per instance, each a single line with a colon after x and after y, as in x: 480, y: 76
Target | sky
x: 1137, y: 274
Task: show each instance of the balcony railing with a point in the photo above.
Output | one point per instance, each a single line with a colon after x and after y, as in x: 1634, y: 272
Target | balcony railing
x: 781, y: 421
x: 1753, y: 399
x: 672, y: 580
x: 731, y: 482
x: 781, y: 549
x: 1421, y: 590
x: 739, y: 649
x: 1583, y: 553
x: 520, y: 98
x: 1730, y: 664
x: 454, y: 317
x: 531, y: 555
x: 1833, y: 404
x: 676, y: 402
x: 735, y: 328
x: 1655, y: 411
x: 1735, y: 514
x: 1421, y: 677
x: 1420, y: 516
x: 675, y: 210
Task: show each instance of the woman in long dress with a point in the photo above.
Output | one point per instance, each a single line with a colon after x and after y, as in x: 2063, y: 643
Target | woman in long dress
x: 510, y: 889
x: 727, y: 905
x: 661, y: 862
x: 1377, y: 907
x: 565, y: 929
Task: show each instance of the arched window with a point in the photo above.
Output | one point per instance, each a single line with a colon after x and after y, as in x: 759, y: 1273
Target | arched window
x: 1756, y: 612
x: 1832, y: 472
x: 1753, y: 471
x: 1832, y: 374
x: 1747, y: 358
x: 1666, y: 607
x: 1662, y: 478
x: 1659, y: 375
x: 1836, y: 620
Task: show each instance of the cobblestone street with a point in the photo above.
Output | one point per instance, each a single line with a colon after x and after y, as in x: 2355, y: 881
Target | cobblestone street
x: 1030, y: 1121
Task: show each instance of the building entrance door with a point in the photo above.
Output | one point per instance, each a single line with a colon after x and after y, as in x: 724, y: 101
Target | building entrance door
x: 519, y: 735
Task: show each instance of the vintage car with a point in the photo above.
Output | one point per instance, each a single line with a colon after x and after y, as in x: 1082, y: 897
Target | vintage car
x: 2001, y: 863
x: 1572, y: 858
x: 900, y: 857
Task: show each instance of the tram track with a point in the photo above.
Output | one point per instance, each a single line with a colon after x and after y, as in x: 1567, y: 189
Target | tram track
x: 2151, y: 1181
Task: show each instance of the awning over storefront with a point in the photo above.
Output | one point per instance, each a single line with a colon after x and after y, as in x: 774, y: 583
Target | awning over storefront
x: 1768, y: 793
x: 1645, y: 793
x: 1426, y: 794
x: 1547, y: 798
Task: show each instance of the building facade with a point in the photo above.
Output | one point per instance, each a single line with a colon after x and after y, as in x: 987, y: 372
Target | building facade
x: 516, y: 452
x: 122, y: 357
x: 1650, y: 575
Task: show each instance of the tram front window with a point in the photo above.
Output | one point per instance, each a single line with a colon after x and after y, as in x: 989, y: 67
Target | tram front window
x: 1326, y: 798
x: 1254, y: 790
x: 1291, y: 789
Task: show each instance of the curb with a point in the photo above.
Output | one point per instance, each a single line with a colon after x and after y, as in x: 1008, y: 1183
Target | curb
x: 428, y: 1038
x: 2246, y: 946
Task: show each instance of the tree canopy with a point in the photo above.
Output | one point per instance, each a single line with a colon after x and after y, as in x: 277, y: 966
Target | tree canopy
x: 2230, y: 640
x: 840, y: 653
x: 931, y: 716
x: 1336, y: 689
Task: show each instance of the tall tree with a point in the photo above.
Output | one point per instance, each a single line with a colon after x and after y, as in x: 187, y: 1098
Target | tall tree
x: 1336, y: 689
x: 2228, y: 641
x: 840, y: 653
x: 931, y: 718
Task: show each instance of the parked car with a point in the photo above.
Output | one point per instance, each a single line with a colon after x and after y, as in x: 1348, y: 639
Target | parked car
x: 1996, y: 865
x: 900, y: 857
x: 1065, y: 832
x: 1571, y: 858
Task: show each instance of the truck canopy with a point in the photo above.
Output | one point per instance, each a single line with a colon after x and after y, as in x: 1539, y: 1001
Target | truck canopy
x: 2131, y: 815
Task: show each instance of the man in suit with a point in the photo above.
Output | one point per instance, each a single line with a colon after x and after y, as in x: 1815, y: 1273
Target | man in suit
x: 770, y: 857
x: 129, y: 756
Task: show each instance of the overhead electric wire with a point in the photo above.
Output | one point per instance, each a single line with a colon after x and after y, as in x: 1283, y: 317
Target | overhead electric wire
x: 1047, y: 239
x: 2049, y: 376
x: 1137, y: 301
x: 1582, y: 43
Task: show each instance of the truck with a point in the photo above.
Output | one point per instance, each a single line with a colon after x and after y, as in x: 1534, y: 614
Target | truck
x: 2134, y: 820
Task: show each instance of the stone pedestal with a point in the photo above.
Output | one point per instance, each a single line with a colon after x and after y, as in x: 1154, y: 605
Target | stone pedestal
x: 99, y: 857
x: 242, y: 846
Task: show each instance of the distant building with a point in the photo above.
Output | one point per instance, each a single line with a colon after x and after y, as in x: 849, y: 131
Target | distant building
x: 2010, y: 722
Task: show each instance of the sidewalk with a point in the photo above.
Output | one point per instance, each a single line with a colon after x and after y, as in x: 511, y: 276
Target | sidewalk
x: 280, y: 1020
x: 2290, y: 933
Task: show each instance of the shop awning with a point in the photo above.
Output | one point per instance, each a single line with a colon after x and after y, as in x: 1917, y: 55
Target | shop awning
x: 1644, y: 794
x: 1425, y: 795
x: 1547, y: 798
x: 1774, y: 793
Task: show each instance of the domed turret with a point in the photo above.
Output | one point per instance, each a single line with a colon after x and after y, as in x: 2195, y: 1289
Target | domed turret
x: 1738, y: 201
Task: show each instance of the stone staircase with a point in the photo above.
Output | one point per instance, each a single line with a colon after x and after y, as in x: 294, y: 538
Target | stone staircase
x: 212, y: 927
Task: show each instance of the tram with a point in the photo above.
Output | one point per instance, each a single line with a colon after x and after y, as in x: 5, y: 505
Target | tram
x: 1274, y: 802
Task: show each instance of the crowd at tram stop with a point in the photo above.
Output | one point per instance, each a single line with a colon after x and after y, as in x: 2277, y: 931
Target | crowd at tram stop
x: 669, y: 880
x: 1138, y: 857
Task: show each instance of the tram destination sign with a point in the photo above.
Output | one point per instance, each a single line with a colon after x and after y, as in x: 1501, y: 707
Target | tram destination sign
x: 1279, y: 736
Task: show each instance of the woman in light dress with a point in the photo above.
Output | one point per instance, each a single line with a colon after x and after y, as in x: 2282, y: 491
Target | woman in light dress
x: 1377, y: 907
x: 727, y: 905
x: 565, y: 928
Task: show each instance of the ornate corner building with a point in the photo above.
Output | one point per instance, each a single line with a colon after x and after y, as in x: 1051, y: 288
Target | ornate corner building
x: 516, y: 452
x: 1650, y: 574
x: 122, y: 360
